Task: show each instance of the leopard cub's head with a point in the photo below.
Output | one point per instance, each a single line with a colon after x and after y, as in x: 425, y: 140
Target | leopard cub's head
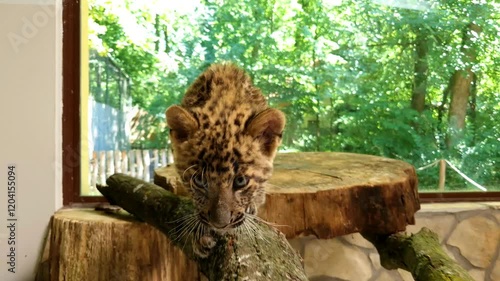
x: 225, y: 161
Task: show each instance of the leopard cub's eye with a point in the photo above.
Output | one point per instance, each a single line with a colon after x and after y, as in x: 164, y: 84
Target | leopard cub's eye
x: 240, y: 182
x: 198, y: 181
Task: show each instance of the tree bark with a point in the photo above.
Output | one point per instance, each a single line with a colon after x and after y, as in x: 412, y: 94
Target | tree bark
x: 421, y: 67
x: 157, y: 32
x: 441, y: 113
x: 89, y: 245
x: 166, y: 39
x: 262, y: 255
x: 419, y: 254
x: 461, y: 85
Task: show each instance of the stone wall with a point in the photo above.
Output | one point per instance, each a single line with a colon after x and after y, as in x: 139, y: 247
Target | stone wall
x: 469, y: 232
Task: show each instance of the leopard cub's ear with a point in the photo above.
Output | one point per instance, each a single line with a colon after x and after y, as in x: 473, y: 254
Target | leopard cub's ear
x: 181, y: 123
x: 267, y: 128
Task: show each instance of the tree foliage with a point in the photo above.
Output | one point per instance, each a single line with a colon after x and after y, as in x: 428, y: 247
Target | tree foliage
x: 355, y: 76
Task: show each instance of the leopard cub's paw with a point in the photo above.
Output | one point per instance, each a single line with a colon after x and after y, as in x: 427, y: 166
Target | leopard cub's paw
x: 203, y: 246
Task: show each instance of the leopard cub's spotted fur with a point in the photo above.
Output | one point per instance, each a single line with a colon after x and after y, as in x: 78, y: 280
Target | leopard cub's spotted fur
x: 224, y: 139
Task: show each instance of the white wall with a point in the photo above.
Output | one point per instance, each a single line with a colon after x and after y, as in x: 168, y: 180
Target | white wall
x: 30, y: 125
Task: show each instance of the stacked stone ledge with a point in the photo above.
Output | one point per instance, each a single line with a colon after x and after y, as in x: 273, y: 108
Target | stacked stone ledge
x: 468, y: 232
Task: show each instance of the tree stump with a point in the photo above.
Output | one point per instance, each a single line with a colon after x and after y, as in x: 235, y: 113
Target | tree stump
x: 330, y: 194
x: 87, y: 245
x: 325, y: 194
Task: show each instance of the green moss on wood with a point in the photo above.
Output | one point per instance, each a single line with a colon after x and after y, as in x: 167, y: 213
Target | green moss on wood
x: 266, y: 255
x: 420, y: 253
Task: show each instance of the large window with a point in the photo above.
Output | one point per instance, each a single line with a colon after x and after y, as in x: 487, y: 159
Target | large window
x: 411, y: 80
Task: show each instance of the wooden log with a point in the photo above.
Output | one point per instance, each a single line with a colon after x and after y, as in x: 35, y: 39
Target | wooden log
x: 90, y: 246
x: 264, y: 254
x: 332, y: 194
x: 420, y: 253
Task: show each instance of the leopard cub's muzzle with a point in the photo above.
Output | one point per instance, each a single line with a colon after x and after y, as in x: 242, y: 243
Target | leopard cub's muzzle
x: 222, y: 219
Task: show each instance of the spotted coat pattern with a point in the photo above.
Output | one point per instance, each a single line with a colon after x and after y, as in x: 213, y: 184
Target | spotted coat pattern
x: 224, y: 140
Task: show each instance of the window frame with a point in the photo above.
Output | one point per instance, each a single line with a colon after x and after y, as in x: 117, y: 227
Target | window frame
x: 71, y: 170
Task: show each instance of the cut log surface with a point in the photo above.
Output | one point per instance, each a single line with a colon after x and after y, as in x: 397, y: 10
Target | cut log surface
x: 332, y: 194
x: 90, y: 245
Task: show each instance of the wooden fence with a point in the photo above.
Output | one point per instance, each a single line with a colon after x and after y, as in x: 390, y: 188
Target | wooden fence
x: 136, y: 163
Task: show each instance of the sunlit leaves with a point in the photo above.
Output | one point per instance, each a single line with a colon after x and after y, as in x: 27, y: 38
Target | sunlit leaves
x: 342, y: 71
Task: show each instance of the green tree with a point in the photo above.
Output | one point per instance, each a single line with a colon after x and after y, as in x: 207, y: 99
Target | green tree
x: 357, y: 76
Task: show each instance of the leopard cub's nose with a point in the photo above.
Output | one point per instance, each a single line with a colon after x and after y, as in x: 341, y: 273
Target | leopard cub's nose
x: 219, y: 218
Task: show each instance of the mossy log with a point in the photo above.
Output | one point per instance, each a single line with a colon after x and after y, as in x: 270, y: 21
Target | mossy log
x: 420, y: 253
x: 262, y: 255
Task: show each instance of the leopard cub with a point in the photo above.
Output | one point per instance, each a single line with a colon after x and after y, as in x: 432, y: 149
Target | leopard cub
x: 224, y: 138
